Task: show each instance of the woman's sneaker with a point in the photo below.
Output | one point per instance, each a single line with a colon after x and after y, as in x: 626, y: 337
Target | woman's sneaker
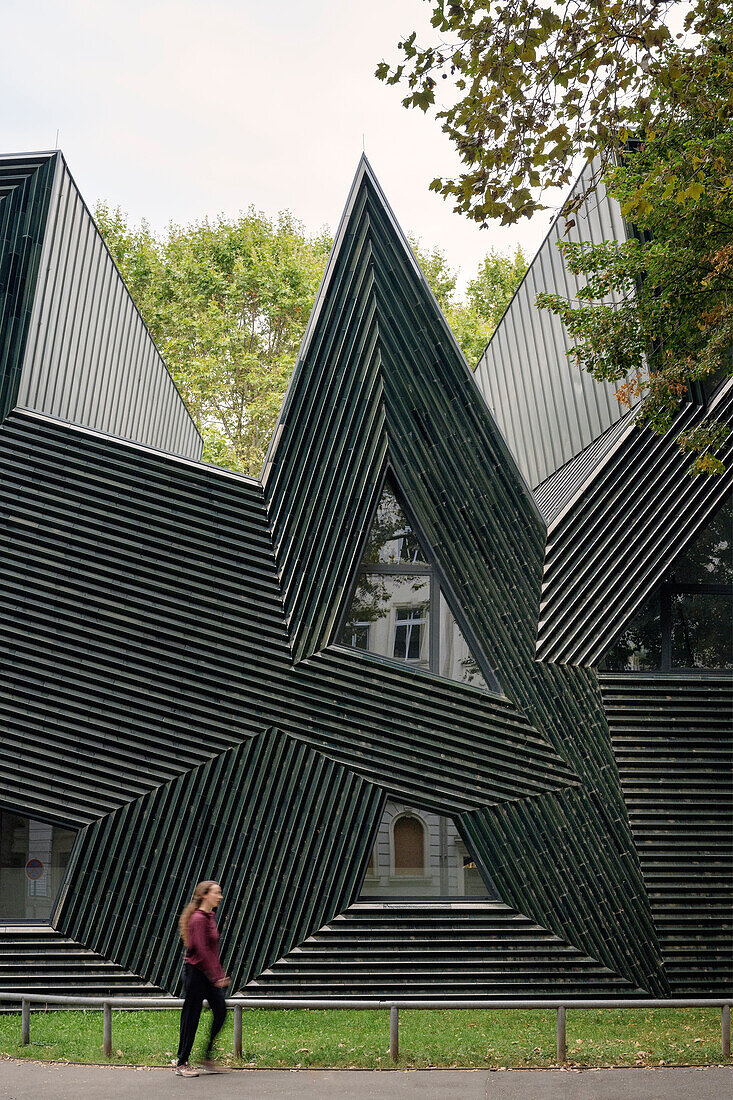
x: 214, y: 1067
x: 186, y: 1071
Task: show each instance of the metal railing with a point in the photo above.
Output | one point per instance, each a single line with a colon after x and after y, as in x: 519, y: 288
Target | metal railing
x: 239, y: 1004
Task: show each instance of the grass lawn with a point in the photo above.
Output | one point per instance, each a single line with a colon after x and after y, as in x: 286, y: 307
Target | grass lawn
x: 360, y: 1039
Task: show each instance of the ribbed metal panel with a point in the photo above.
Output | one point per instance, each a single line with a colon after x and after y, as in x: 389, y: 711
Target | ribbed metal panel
x: 169, y: 665
x: 613, y: 543
x: 38, y: 959
x: 409, y: 950
x: 89, y: 358
x: 331, y: 445
x: 548, y: 409
x: 671, y: 736
x: 285, y: 830
x: 555, y: 493
x: 143, y: 632
x: 25, y: 192
x: 377, y: 339
x: 142, y: 626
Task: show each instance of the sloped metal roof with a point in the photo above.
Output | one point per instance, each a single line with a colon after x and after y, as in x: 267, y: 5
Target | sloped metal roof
x: 77, y: 347
x: 546, y: 407
x: 609, y: 548
x: 555, y: 493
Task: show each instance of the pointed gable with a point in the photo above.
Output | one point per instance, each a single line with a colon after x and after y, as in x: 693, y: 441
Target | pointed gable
x: 73, y: 344
x: 611, y: 545
x: 379, y: 381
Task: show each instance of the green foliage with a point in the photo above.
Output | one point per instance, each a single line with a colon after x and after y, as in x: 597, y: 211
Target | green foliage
x: 360, y: 1039
x: 474, y: 318
x: 672, y: 326
x: 227, y: 302
x: 527, y: 87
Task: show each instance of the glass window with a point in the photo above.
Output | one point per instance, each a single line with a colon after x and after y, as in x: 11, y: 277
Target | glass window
x: 33, y: 859
x: 639, y: 648
x: 398, y: 609
x: 390, y: 615
x: 473, y: 885
x: 420, y: 854
x: 701, y: 630
x: 408, y: 838
x: 411, y: 634
x: 686, y: 624
x: 391, y: 539
x: 456, y: 660
x: 359, y: 635
x: 709, y: 558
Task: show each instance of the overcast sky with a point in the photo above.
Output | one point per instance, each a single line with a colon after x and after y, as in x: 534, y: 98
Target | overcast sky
x: 175, y: 109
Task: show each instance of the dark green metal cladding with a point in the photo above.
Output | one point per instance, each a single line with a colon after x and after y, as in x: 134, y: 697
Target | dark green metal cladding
x: 25, y: 191
x: 143, y: 633
x: 671, y: 736
x: 633, y: 516
x: 324, y: 472
x: 430, y: 740
x: 435, y: 951
x: 38, y: 959
x: 169, y: 665
x: 567, y: 860
x: 285, y: 830
x: 143, y: 638
x: 142, y: 626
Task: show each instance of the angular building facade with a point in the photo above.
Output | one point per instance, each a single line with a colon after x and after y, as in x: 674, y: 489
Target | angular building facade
x: 443, y: 705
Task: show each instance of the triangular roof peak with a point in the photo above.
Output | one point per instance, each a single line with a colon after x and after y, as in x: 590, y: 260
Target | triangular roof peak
x: 364, y: 180
x: 364, y: 172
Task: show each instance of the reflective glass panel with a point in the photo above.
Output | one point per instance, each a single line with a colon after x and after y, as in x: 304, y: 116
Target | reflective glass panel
x: 709, y: 558
x: 33, y: 859
x: 391, y: 539
x: 390, y: 615
x: 456, y: 660
x: 639, y: 648
x: 419, y: 854
x: 701, y: 630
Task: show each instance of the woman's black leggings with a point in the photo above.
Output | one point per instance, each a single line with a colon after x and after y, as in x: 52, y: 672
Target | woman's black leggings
x: 196, y: 989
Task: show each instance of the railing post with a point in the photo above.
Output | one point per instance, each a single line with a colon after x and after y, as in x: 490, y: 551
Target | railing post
x: 237, y: 1031
x: 25, y: 1022
x: 561, y: 1044
x: 394, y: 1033
x: 107, y: 1029
x: 725, y: 1019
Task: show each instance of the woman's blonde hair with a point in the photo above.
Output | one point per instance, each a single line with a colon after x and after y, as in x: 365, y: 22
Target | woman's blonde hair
x: 200, y: 891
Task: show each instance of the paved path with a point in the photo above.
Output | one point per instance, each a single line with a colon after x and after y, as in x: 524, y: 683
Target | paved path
x: 36, y: 1081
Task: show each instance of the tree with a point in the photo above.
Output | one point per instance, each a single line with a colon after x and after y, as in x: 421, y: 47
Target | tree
x: 531, y: 85
x: 673, y: 328
x: 538, y: 85
x: 227, y: 302
x: 474, y: 318
x: 487, y: 296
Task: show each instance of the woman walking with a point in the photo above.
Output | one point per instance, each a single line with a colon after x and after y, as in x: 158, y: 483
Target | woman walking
x: 203, y: 977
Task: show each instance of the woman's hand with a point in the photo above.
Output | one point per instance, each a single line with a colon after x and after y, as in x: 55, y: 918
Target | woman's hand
x: 222, y: 983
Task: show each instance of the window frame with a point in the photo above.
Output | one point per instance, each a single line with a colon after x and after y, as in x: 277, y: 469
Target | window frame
x: 408, y: 624
x: 365, y: 624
